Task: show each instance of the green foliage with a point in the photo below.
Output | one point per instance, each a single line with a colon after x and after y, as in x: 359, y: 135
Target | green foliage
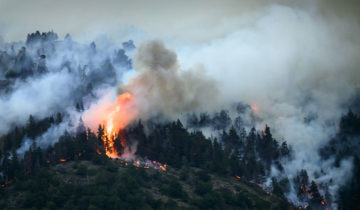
x: 201, y: 188
x: 316, y: 198
x: 113, y: 188
x: 203, y: 175
x: 277, y: 189
x: 81, y: 170
x: 174, y: 189
x: 121, y: 189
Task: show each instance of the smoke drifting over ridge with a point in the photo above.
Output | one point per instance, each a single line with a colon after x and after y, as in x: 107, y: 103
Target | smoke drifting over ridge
x: 301, y: 69
x: 158, y: 87
x: 297, y: 62
x: 290, y: 63
x: 161, y: 87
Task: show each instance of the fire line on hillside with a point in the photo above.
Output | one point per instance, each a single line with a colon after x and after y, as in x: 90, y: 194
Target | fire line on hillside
x: 115, y: 117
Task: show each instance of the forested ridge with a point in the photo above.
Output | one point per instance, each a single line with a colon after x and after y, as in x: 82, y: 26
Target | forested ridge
x: 245, y: 156
x: 218, y: 160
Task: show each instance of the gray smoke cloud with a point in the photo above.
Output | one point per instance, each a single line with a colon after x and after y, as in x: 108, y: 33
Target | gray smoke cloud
x: 50, y: 137
x: 39, y: 97
x: 300, y: 66
x: 296, y: 60
x: 45, y: 75
x: 162, y: 87
x: 50, y: 76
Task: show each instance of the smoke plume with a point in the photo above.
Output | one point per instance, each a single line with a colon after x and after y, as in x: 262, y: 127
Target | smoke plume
x: 162, y: 87
x: 300, y: 67
x: 297, y: 62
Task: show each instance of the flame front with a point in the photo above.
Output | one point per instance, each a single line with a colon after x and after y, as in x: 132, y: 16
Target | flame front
x: 116, y: 118
x: 254, y: 107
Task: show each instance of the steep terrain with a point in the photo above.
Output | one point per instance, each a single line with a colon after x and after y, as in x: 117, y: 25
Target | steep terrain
x: 115, y: 184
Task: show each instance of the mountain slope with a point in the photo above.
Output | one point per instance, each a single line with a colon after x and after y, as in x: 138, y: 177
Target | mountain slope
x: 115, y: 184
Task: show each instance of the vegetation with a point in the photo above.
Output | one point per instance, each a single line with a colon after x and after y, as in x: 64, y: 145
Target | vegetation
x: 346, y: 145
x: 201, y: 169
x: 85, y: 185
x: 204, y: 173
x: 194, y: 159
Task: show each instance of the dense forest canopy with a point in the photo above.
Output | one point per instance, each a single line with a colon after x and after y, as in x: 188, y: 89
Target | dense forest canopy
x: 59, y: 126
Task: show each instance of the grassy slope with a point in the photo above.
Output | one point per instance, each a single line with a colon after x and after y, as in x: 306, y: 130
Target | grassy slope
x: 158, y: 184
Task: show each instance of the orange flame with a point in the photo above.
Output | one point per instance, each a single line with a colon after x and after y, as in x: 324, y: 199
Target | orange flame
x: 114, y: 117
x: 254, y: 107
x: 163, y: 168
x: 98, y: 152
x: 120, y: 115
x: 62, y: 160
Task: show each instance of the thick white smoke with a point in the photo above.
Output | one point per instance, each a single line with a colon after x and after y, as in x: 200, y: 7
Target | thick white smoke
x: 297, y: 61
x: 49, y: 138
x: 39, y: 97
x: 63, y: 72
x: 300, y: 68
x: 162, y: 87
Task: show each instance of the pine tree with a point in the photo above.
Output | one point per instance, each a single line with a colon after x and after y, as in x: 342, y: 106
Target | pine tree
x: 284, y: 150
x: 58, y: 119
x: 100, y: 134
x: 31, y: 127
x: 15, y: 166
x: 316, y: 198
x: 28, y: 163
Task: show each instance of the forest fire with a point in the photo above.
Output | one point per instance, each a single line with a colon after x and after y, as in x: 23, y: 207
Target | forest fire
x: 114, y: 118
x: 150, y: 164
x: 119, y: 115
x: 254, y: 107
x: 7, y: 182
x: 306, y: 190
x: 98, y: 152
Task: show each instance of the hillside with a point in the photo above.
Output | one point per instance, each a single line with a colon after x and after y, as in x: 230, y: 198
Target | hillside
x: 72, y: 111
x: 110, y: 184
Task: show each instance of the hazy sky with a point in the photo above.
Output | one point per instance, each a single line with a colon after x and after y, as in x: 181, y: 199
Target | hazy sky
x: 188, y: 21
x: 183, y: 19
x: 294, y: 59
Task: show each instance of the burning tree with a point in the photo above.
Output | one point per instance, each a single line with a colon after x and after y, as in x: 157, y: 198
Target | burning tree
x: 316, y: 198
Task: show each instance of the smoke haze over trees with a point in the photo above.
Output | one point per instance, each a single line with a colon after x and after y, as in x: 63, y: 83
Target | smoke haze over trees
x: 269, y: 95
